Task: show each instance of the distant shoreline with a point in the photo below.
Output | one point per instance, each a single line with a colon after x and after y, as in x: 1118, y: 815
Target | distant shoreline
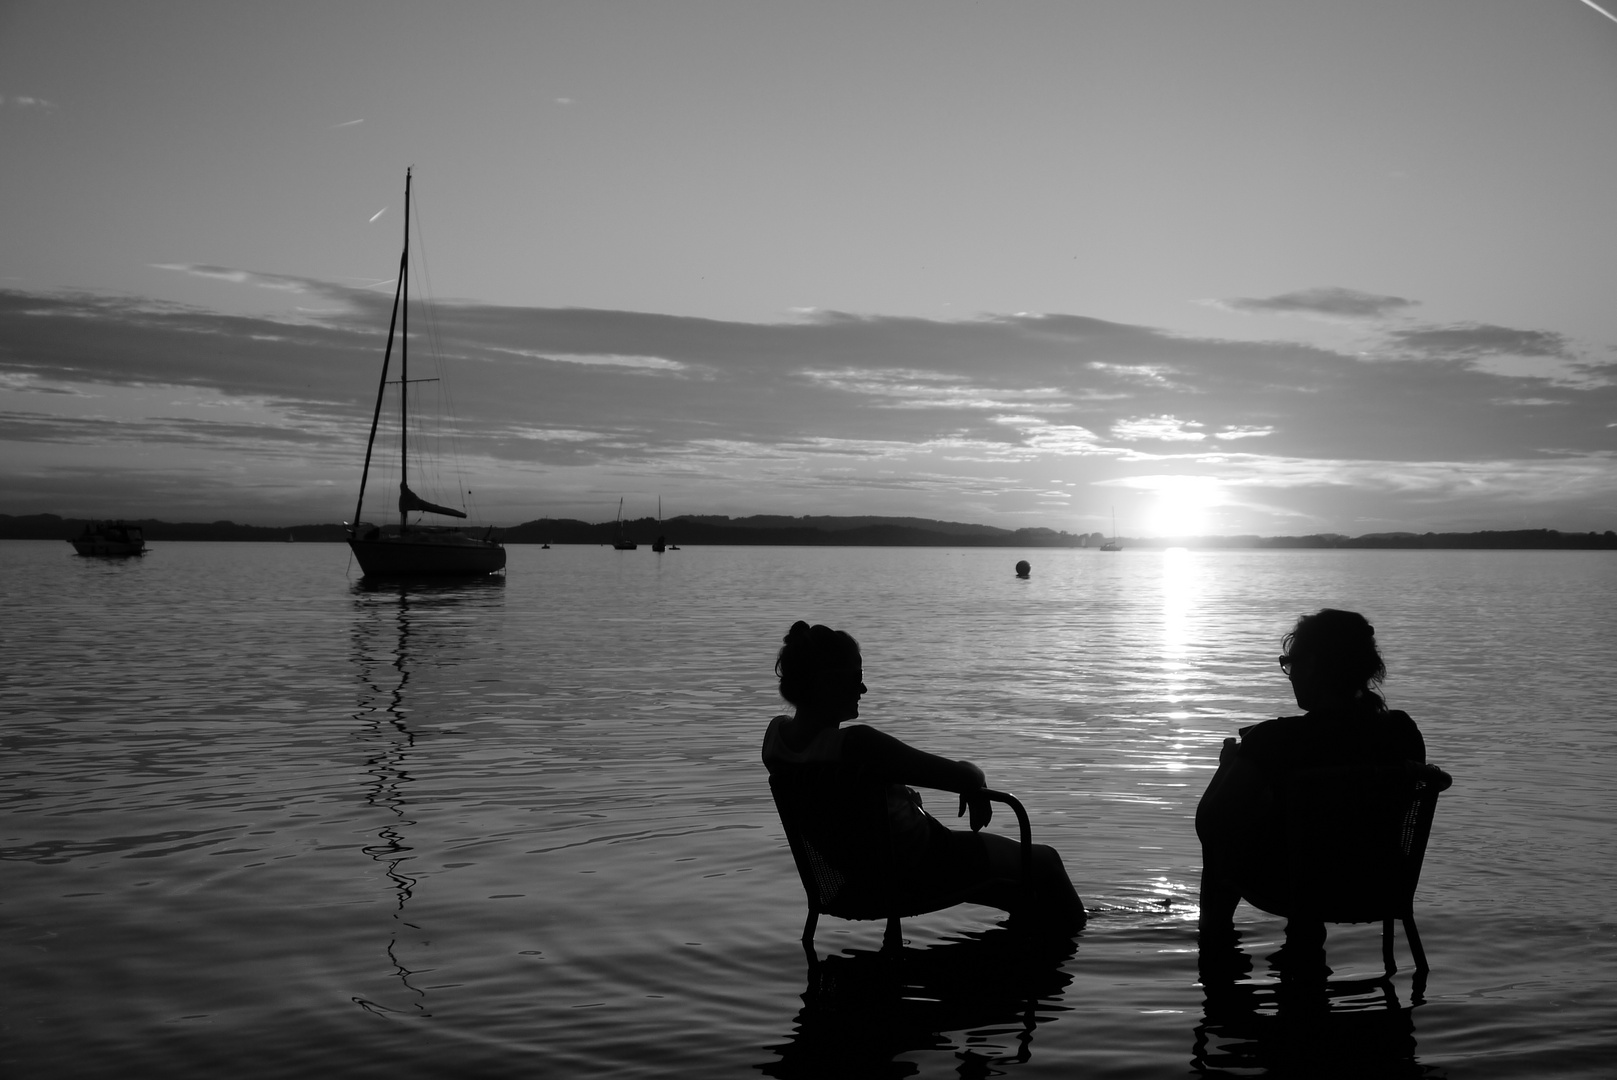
x: 826, y: 531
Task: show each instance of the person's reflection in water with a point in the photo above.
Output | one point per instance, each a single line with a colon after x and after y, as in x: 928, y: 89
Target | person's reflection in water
x: 1300, y: 1025
x: 863, y: 1010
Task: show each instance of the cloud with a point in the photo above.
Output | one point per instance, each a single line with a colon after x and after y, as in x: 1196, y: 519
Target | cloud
x: 1478, y: 340
x: 279, y: 282
x: 909, y: 388
x: 25, y: 383
x: 1167, y: 428
x: 1502, y: 350
x: 1040, y: 437
x: 1329, y: 302
x: 557, y: 406
x: 25, y: 101
x: 639, y: 363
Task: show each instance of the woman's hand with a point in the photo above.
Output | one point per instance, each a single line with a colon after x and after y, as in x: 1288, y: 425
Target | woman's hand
x: 982, y: 811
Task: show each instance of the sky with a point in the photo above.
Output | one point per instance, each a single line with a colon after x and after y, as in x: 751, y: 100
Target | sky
x: 1224, y: 267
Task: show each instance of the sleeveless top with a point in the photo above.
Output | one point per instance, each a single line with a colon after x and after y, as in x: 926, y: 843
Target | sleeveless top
x: 907, y: 823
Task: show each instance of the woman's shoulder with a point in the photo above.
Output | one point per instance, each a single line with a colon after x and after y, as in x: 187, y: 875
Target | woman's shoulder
x: 1399, y: 718
x: 824, y: 747
x: 1404, y: 735
x: 1319, y: 738
x: 1270, y: 732
x: 872, y: 748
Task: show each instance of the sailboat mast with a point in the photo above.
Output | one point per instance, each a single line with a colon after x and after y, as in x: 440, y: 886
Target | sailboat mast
x: 404, y: 358
x: 381, y: 387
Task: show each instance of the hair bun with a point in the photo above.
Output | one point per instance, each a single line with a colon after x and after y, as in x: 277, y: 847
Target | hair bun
x: 798, y: 632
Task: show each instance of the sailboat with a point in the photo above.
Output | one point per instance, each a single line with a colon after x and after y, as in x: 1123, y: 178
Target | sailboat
x: 1112, y: 544
x: 406, y: 549
x: 660, y: 544
x: 620, y: 544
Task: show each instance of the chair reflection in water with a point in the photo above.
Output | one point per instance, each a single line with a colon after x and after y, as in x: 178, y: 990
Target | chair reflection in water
x: 968, y: 1005
x: 837, y: 824
x: 1341, y: 1028
x: 1334, y: 845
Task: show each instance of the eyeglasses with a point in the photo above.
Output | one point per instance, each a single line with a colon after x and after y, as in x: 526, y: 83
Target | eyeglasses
x: 1285, y: 662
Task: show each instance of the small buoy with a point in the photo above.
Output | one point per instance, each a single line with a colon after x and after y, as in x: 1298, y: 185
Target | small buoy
x: 1023, y: 569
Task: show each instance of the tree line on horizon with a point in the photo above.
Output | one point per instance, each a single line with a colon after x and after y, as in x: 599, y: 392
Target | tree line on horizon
x: 820, y: 531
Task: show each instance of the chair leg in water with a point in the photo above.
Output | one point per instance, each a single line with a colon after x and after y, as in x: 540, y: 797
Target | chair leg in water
x: 1386, y: 946
x: 1414, y: 944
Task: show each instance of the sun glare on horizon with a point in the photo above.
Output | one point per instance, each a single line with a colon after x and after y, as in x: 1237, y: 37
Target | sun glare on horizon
x: 1180, y: 505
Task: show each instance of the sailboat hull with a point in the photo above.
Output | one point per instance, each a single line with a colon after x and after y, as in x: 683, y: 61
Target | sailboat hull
x: 449, y: 554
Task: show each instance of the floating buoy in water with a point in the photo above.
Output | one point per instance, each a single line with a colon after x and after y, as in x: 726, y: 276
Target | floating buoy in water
x: 1023, y: 569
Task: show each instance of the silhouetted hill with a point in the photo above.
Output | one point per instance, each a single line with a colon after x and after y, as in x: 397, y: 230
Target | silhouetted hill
x: 51, y: 527
x: 826, y: 531
x: 842, y: 524
x: 843, y: 532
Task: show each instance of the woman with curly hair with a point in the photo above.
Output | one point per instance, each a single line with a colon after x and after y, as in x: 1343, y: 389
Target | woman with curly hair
x: 1336, y: 671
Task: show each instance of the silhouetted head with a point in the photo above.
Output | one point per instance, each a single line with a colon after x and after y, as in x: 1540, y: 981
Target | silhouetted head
x: 1023, y: 569
x: 1331, y: 655
x: 820, y: 670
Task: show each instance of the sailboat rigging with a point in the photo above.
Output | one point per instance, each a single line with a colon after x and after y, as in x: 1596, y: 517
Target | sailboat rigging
x: 620, y: 544
x: 1112, y: 544
x: 406, y: 550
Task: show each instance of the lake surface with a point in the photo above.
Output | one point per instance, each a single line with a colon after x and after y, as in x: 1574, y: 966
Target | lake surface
x: 257, y: 820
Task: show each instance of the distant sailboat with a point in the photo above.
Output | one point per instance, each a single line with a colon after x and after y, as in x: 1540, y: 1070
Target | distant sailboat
x: 1112, y: 544
x: 406, y: 550
x: 620, y: 544
x: 109, y: 538
x: 660, y: 544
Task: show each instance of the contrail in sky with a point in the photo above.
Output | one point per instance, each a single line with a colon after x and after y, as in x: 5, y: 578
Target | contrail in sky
x: 349, y: 123
x: 378, y: 213
x: 1602, y: 10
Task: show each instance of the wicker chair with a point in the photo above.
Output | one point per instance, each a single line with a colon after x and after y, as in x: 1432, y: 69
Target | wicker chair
x: 1353, y: 840
x: 837, y: 825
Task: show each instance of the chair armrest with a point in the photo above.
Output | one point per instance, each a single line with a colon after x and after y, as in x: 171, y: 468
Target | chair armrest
x: 1022, y: 822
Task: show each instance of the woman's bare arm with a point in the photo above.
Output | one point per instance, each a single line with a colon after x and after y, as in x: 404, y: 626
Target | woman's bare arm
x: 901, y: 763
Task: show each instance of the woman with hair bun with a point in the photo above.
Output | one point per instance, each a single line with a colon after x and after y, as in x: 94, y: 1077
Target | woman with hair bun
x: 821, y: 676
x: 1336, y: 671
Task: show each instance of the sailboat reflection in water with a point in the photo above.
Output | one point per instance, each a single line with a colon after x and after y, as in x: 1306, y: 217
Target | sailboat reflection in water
x: 405, y: 549
x: 400, y: 627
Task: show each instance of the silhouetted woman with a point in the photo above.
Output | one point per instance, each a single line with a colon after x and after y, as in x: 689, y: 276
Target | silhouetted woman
x: 1335, y: 671
x: 821, y: 674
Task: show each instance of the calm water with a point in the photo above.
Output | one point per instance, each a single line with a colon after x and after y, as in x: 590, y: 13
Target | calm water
x: 259, y: 821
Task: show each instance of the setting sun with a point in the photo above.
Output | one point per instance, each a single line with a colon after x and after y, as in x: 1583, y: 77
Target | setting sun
x: 1180, y: 505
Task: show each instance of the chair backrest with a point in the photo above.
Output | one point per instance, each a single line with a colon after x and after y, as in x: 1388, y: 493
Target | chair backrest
x: 836, y: 823
x: 1355, y: 838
